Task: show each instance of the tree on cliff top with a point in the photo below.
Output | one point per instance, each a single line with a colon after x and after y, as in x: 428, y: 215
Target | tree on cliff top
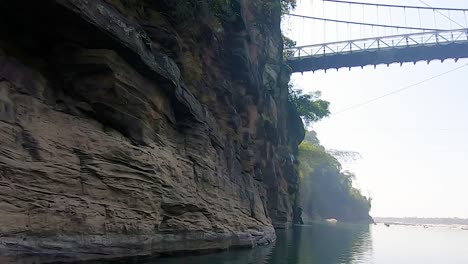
x: 309, y: 106
x: 287, y: 5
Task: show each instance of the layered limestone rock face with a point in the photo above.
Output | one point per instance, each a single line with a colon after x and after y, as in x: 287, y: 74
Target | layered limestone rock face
x: 127, y: 128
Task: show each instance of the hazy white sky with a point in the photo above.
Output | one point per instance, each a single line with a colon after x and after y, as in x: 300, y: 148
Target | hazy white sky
x: 414, y: 144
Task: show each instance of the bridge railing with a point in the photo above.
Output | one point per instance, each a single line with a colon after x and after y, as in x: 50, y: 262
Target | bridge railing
x: 371, y: 44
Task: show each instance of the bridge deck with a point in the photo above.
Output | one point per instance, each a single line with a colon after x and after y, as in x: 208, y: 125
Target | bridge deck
x: 424, y: 46
x: 384, y: 56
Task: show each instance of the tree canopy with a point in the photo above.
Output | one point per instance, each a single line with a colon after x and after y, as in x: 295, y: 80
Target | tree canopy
x: 309, y: 105
x: 287, y: 5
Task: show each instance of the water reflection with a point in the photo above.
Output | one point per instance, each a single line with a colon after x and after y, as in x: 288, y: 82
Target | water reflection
x: 258, y: 255
x: 320, y: 243
x: 342, y: 244
x: 308, y: 244
x: 323, y: 244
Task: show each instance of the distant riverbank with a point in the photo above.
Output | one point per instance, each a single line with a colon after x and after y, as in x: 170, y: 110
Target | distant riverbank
x: 422, y: 221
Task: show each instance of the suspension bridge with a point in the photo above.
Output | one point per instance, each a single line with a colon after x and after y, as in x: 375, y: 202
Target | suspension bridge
x: 386, y: 34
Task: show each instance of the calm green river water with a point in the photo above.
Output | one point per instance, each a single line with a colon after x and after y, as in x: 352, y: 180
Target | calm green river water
x: 346, y: 244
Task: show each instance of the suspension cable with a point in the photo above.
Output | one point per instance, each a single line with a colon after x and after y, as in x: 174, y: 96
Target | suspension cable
x: 396, y: 6
x: 349, y: 27
x: 438, y: 11
x: 377, y: 19
x: 420, y: 24
x: 398, y: 90
x: 450, y: 20
x: 464, y: 15
x: 337, y: 34
x: 314, y: 25
x: 363, y: 17
x: 360, y: 23
x: 415, y: 35
x: 391, y: 19
x: 324, y: 23
x: 302, y: 30
x: 404, y: 14
x: 419, y: 14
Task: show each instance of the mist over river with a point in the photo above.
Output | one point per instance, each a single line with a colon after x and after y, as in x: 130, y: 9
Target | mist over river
x: 349, y: 244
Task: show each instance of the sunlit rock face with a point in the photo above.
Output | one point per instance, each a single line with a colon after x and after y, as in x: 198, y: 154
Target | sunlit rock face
x: 127, y: 130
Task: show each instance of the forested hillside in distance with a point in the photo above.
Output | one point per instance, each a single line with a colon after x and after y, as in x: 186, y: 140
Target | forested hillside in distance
x: 326, y: 190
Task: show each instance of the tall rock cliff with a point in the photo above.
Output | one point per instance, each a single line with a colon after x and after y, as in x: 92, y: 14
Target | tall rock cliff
x: 133, y: 127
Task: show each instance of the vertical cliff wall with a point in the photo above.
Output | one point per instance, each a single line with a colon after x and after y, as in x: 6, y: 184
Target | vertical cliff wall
x: 132, y: 127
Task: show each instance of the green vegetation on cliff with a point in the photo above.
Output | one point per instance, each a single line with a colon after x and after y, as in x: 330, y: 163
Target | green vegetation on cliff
x: 309, y: 106
x: 326, y: 190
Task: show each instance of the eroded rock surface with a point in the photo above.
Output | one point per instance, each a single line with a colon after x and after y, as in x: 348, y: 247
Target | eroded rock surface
x: 126, y: 132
